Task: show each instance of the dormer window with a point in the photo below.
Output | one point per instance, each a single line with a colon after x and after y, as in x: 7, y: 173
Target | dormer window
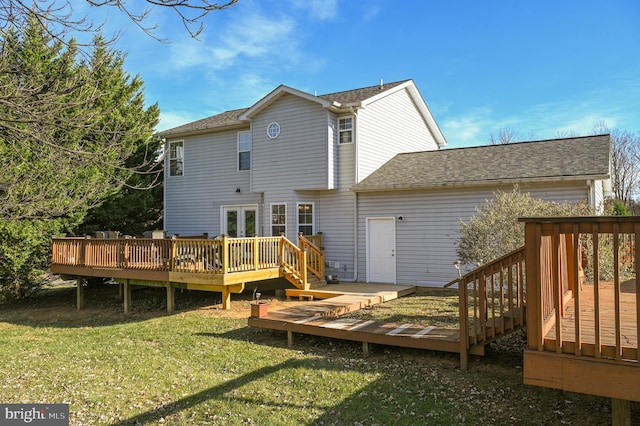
x: 273, y: 131
x: 345, y: 129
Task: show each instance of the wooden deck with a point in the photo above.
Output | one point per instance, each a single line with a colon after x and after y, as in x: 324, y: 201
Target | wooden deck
x: 322, y: 318
x: 607, y: 322
x: 221, y: 265
x: 583, y: 307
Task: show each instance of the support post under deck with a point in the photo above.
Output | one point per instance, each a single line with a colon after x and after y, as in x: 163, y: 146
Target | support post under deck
x: 79, y: 293
x: 226, y: 298
x: 620, y: 412
x: 127, y: 297
x: 171, y: 302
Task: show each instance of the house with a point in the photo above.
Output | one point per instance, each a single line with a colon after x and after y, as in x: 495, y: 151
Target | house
x: 364, y: 167
x: 422, y: 196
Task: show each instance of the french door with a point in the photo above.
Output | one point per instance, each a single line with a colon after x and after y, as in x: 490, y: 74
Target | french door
x: 240, y: 221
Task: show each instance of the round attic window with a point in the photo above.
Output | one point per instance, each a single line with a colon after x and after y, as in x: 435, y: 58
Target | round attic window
x: 273, y: 130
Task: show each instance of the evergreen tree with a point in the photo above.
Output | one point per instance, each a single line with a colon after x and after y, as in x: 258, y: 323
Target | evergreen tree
x: 73, y: 131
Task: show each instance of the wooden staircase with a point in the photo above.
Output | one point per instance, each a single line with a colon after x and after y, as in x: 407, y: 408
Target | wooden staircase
x: 302, y: 265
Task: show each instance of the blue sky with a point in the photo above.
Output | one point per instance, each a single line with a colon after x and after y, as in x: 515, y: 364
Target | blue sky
x: 542, y: 68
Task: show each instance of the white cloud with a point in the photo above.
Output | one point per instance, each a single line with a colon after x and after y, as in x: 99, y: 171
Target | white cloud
x: 321, y: 9
x: 469, y: 129
x: 258, y: 38
x: 570, y: 115
x: 169, y: 120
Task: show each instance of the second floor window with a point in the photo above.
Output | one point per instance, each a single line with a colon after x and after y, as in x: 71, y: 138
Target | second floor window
x: 278, y: 219
x: 176, y: 158
x: 244, y: 151
x: 345, y: 129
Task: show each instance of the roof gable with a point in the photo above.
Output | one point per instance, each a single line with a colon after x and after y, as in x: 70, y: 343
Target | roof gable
x: 279, y: 92
x: 557, y: 159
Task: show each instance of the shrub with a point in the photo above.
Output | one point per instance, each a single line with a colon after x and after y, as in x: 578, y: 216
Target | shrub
x: 496, y: 231
x: 24, y: 256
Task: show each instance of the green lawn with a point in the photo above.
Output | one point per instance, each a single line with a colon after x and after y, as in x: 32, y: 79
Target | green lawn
x: 202, y: 366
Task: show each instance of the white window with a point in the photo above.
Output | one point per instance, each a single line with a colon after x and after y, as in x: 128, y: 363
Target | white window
x: 305, y: 219
x: 273, y: 131
x: 176, y: 158
x: 278, y: 219
x: 244, y: 151
x: 345, y: 129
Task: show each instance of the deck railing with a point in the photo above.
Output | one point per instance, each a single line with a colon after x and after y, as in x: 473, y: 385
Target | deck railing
x: 492, y: 299
x: 315, y: 254
x: 201, y: 256
x: 294, y: 261
x: 583, y: 296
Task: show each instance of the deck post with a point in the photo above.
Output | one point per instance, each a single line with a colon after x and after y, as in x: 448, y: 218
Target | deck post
x: 120, y: 291
x: 127, y: 296
x: 290, y: 339
x: 532, y: 260
x: 79, y: 293
x: 620, y: 412
x: 225, y: 255
x: 463, y: 315
x: 366, y: 349
x: 226, y: 298
x: 171, y: 303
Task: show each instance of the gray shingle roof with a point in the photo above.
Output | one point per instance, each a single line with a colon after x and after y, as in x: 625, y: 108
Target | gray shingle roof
x: 359, y: 95
x: 227, y: 118
x: 230, y: 118
x: 557, y: 159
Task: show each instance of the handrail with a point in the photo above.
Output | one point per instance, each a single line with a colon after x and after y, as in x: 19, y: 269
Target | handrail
x: 315, y: 254
x: 294, y: 261
x: 491, y: 301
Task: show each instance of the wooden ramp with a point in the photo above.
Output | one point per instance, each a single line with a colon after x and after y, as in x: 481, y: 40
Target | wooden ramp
x: 321, y: 318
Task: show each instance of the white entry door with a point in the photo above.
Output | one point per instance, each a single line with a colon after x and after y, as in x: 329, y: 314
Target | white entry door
x: 381, y: 250
x: 239, y: 221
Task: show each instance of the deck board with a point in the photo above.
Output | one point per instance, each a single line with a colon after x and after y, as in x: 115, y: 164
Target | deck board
x: 322, y: 318
x: 628, y: 323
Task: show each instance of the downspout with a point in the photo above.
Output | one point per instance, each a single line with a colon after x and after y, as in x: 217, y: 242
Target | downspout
x: 355, y: 201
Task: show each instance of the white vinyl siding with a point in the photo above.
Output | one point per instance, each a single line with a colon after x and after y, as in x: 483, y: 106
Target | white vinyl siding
x: 389, y: 126
x: 426, y: 237
x: 192, y: 203
x: 298, y: 158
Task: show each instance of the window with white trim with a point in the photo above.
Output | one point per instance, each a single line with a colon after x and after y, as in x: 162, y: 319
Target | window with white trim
x: 345, y: 129
x: 278, y: 219
x: 244, y: 151
x: 176, y: 158
x: 273, y: 131
x: 305, y: 218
